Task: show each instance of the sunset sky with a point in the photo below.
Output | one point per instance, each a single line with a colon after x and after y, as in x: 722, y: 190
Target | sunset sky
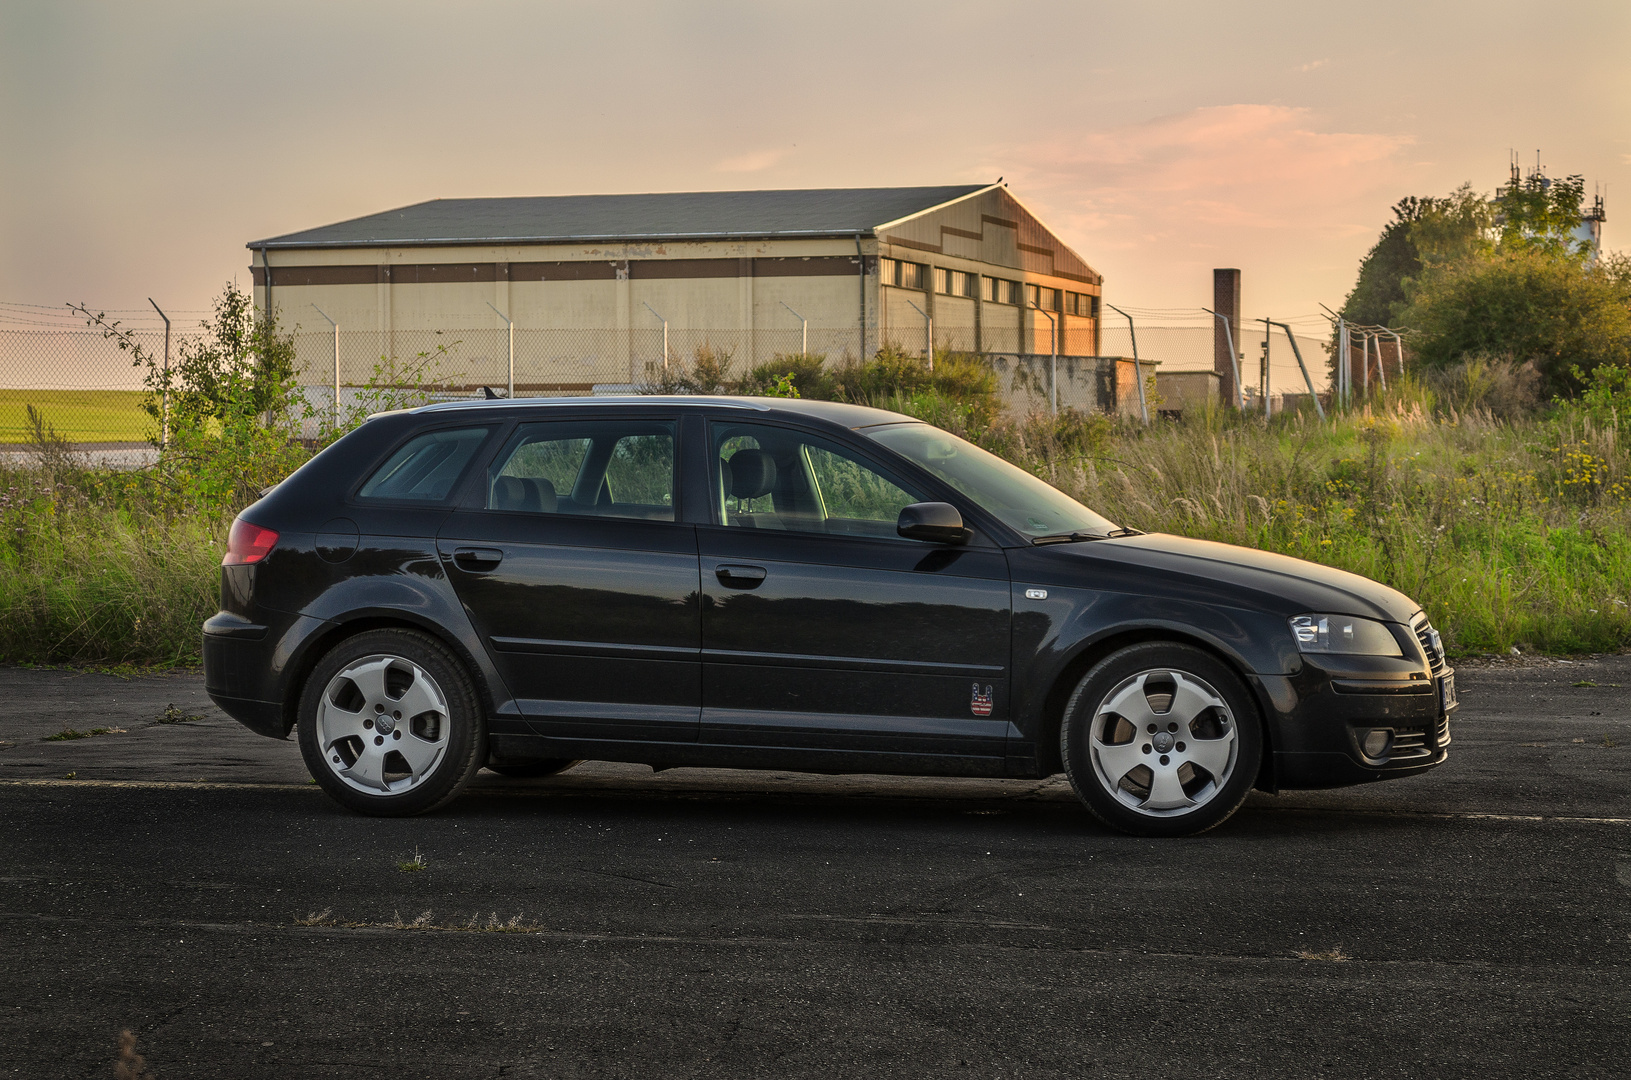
x: 142, y: 145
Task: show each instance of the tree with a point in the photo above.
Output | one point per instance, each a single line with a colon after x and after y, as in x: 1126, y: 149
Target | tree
x: 1429, y: 231
x: 1531, y: 306
x: 1537, y: 213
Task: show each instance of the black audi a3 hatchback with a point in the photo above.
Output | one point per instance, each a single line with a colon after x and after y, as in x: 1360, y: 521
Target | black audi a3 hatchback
x: 764, y: 583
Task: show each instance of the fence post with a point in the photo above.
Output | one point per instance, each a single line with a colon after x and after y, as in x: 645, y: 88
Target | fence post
x: 336, y: 327
x: 804, y: 336
x: 664, y: 321
x: 1298, y: 353
x: 1138, y: 368
x: 510, y: 389
x: 1053, y: 372
x: 928, y: 331
x: 164, y: 408
x: 1234, y: 358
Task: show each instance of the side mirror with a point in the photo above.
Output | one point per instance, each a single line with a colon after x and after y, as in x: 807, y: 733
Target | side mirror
x: 936, y: 522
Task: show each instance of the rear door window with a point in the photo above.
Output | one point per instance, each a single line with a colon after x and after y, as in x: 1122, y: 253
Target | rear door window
x: 426, y: 467
x: 601, y: 468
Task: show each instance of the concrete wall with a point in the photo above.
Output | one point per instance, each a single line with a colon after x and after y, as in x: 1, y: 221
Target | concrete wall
x: 1086, y: 383
x: 1182, y: 390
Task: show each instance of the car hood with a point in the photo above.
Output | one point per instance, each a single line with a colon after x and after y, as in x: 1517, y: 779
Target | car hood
x: 1229, y: 574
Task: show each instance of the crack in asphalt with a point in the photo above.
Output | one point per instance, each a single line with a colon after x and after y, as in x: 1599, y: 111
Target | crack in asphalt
x: 603, y: 938
x: 1027, y: 797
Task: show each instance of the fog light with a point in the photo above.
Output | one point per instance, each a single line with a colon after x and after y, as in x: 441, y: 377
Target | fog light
x: 1376, y: 742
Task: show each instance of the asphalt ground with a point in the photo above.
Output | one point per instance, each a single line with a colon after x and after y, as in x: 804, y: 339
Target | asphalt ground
x: 189, y: 884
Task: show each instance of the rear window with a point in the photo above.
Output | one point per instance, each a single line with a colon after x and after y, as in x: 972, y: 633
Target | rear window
x: 426, y: 468
x: 598, y: 468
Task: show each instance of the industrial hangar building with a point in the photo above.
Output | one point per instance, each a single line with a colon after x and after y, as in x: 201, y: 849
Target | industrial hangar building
x: 594, y: 288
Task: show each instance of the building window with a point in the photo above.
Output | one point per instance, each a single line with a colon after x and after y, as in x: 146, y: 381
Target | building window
x: 888, y: 272
x: 988, y: 289
x: 962, y: 283
x: 911, y: 275
x: 1046, y: 299
x: 999, y: 291
x: 942, y: 281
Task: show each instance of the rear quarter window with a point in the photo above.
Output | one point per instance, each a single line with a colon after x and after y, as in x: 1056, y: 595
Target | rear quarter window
x: 425, y: 468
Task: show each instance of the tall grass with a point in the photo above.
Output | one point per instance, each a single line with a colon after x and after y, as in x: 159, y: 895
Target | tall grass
x: 1512, y: 526
x: 94, y: 571
x: 1510, y: 532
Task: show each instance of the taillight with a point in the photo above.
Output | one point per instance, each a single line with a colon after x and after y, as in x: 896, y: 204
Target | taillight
x: 247, y: 543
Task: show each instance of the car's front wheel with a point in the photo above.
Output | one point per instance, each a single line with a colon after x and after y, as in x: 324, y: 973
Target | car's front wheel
x: 1161, y: 739
x: 391, y: 724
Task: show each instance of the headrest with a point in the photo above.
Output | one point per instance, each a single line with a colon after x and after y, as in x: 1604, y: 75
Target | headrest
x: 524, y: 493
x: 752, y: 473
x: 509, y: 493
x: 542, y: 496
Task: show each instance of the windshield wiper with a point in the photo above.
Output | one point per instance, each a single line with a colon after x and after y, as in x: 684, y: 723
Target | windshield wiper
x: 1074, y: 537
x: 1066, y: 538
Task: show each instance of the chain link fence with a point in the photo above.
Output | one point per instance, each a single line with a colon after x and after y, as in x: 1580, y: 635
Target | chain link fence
x: 91, y: 392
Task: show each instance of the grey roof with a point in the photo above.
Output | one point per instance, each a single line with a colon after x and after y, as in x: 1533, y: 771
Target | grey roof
x: 691, y: 215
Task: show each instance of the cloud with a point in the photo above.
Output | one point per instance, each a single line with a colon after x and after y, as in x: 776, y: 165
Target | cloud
x: 1267, y: 188
x: 1312, y: 65
x: 1231, y: 166
x: 757, y: 161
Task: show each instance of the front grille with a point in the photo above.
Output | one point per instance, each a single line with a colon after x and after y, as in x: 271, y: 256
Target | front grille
x: 1409, y: 744
x: 1441, y: 734
x: 1431, y: 644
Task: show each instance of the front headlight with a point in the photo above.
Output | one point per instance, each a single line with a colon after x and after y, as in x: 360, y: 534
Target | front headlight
x: 1343, y: 634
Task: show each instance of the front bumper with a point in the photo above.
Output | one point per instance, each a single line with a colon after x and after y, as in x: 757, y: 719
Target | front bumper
x: 1323, y: 714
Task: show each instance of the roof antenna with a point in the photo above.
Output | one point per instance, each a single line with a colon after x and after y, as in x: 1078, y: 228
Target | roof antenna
x: 487, y: 393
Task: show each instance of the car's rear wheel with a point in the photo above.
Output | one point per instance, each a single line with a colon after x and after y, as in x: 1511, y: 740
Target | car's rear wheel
x: 391, y: 724
x: 521, y: 770
x: 1161, y: 739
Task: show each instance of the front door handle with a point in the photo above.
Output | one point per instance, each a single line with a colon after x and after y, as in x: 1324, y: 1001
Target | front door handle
x: 740, y: 577
x: 477, y: 560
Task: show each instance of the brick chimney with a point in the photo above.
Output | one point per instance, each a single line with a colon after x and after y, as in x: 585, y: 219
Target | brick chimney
x: 1225, y: 301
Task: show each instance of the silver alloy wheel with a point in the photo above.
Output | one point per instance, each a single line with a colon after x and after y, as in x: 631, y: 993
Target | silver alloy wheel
x: 382, y: 724
x: 1163, y: 742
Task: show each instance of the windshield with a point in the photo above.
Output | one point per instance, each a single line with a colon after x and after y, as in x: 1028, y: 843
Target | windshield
x: 1029, y: 506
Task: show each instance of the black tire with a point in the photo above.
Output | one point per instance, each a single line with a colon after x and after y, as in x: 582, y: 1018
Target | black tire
x: 534, y: 768
x: 1207, y: 755
x: 410, y: 668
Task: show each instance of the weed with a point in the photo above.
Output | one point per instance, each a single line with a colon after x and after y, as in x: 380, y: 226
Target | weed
x: 71, y: 776
x: 1609, y: 742
x: 491, y: 924
x: 67, y: 734
x: 1333, y: 955
x: 130, y: 1065
x: 1584, y: 682
x: 174, y: 715
x: 413, y: 865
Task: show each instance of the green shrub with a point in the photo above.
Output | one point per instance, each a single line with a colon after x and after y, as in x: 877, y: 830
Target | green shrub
x: 1530, y: 307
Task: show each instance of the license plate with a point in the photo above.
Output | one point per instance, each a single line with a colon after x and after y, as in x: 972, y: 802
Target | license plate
x: 1446, y: 693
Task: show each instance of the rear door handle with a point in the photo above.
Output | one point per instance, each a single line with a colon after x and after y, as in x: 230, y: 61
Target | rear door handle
x: 740, y: 577
x: 477, y: 560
